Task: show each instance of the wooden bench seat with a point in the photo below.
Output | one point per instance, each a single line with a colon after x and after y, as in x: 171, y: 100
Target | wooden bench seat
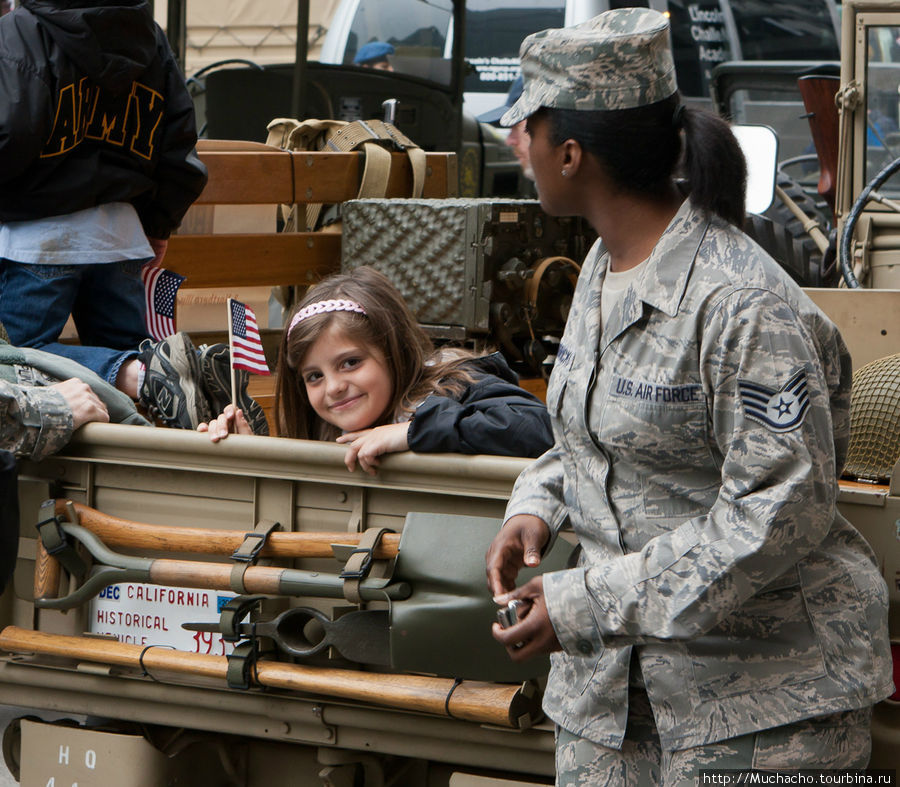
x: 268, y: 176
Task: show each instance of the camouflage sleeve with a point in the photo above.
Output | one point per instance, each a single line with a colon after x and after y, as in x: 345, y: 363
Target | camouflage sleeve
x: 539, y: 491
x: 34, y: 422
x: 769, y: 405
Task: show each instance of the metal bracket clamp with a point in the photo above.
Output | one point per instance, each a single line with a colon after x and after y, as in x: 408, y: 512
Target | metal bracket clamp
x: 248, y: 552
x: 359, y: 564
x: 241, y: 665
x: 58, y: 546
x: 233, y: 613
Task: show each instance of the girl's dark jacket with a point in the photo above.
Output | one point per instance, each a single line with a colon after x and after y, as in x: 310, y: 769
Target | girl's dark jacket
x: 492, y: 415
x: 93, y: 110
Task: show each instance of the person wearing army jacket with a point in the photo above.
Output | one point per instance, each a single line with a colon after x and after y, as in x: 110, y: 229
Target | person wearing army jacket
x: 722, y: 612
x: 97, y: 168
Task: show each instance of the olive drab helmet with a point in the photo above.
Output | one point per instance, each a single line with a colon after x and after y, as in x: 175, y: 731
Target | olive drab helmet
x: 875, y: 420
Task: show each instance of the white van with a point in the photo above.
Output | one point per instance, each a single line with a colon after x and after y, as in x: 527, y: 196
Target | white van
x: 424, y: 30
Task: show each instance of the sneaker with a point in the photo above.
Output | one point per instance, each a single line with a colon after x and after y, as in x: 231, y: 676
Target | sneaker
x: 215, y: 377
x: 171, y: 389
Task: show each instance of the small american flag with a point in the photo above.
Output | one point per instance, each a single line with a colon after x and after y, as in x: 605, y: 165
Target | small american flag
x: 247, y: 350
x: 160, y: 287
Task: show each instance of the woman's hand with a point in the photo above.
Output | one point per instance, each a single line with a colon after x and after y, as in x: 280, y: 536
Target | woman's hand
x: 518, y: 544
x: 231, y: 421
x: 533, y: 635
x: 85, y: 405
x: 366, y: 446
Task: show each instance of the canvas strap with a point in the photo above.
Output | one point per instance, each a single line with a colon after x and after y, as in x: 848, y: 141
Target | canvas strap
x: 375, y: 138
x: 359, y: 564
x: 248, y: 552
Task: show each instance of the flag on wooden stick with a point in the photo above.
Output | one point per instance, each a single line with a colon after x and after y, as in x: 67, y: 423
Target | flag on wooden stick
x: 243, y: 336
x: 160, y: 288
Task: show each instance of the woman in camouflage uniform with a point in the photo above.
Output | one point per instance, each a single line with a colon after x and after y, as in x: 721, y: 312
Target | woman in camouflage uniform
x: 723, y: 613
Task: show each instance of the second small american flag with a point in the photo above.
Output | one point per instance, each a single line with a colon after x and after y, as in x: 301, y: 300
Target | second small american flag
x: 160, y: 288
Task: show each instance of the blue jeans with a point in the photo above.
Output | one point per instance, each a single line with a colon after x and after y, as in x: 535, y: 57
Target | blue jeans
x: 106, y: 302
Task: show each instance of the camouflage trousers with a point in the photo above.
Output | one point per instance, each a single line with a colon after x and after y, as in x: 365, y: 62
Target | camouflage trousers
x: 840, y: 740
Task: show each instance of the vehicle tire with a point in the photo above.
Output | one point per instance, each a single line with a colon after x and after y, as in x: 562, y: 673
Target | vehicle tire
x: 786, y: 250
x: 781, y: 214
x: 12, y: 745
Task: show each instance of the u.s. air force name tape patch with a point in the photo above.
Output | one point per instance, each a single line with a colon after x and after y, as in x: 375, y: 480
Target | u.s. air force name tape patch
x: 781, y: 410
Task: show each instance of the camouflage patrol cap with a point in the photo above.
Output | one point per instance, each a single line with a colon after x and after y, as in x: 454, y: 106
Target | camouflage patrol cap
x: 620, y: 59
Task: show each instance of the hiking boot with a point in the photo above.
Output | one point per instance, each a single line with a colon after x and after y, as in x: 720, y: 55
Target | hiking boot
x: 215, y: 377
x: 171, y: 389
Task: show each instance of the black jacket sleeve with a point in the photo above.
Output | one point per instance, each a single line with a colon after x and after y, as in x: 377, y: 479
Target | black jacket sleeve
x: 491, y: 417
x: 180, y: 175
x: 26, y: 108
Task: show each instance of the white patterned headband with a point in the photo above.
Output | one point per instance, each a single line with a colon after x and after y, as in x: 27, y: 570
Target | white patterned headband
x: 321, y: 307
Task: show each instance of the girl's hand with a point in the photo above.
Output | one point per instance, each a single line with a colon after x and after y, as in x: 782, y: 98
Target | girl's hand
x: 517, y: 545
x: 231, y: 421
x: 366, y: 446
x: 533, y: 635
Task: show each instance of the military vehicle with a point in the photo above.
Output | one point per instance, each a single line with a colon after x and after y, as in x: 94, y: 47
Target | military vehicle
x: 131, y: 546
x: 822, y: 188
x: 453, y: 60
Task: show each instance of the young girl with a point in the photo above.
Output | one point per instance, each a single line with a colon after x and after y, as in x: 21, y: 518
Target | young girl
x: 355, y: 367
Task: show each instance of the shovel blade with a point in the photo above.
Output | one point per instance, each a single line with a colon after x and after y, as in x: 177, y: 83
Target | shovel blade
x: 444, y: 627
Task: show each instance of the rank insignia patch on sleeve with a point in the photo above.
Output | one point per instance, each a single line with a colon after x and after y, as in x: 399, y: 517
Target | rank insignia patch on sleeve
x: 781, y: 410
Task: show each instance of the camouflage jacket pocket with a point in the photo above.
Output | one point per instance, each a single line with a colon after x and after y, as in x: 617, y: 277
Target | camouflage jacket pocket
x: 768, y: 643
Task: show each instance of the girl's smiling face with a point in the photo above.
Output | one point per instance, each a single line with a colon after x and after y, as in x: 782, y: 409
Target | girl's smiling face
x: 348, y: 384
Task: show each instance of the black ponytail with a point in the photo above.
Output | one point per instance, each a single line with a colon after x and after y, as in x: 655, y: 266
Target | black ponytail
x: 714, y: 165
x: 641, y: 149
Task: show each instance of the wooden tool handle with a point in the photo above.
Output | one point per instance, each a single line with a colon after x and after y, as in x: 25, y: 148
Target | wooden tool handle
x: 46, y: 573
x: 107, y: 651
x: 215, y: 576
x: 483, y: 703
x: 115, y: 532
x: 818, y: 93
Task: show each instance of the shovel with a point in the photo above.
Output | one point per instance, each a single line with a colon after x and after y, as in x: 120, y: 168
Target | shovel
x: 362, y: 636
x: 195, y: 574
x: 440, y: 614
x: 443, y: 627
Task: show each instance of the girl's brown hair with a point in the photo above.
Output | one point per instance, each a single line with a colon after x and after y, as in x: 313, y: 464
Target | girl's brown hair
x: 416, y: 369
